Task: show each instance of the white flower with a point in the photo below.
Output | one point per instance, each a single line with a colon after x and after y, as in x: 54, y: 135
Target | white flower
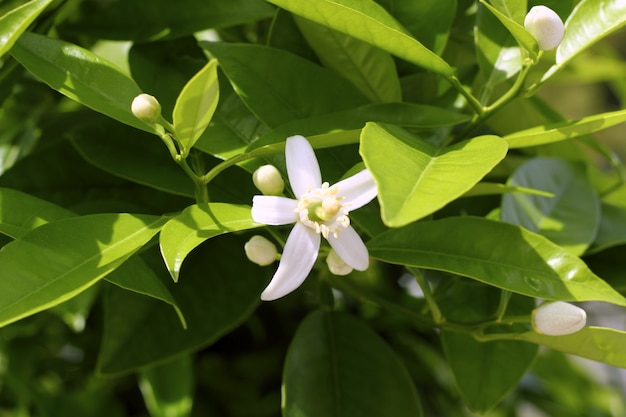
x: 336, y: 265
x: 146, y: 107
x: 260, y: 250
x: 319, y: 210
x: 546, y: 26
x: 268, y: 180
x: 558, y: 318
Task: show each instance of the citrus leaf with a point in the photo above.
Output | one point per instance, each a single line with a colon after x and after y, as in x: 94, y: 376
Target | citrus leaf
x: 15, y: 22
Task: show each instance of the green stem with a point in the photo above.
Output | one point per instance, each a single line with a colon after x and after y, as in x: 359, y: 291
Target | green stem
x: 428, y: 296
x: 471, y: 100
x: 505, y: 297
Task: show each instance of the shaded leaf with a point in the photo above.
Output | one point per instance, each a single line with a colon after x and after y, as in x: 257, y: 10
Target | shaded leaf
x: 431, y: 177
x: 517, y: 260
x: 333, y: 360
x: 167, y: 388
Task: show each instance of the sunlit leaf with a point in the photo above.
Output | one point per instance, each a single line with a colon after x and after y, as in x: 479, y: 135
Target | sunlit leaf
x: 517, y: 260
x: 431, y: 177
x: 15, y: 22
x: 523, y: 37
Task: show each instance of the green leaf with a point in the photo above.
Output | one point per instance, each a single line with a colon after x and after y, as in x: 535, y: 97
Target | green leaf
x: 63, y: 267
x: 195, y: 106
x: 611, y: 231
x: 521, y: 35
x: 135, y: 275
x: 481, y: 384
x: 196, y: 224
x: 82, y: 76
x: 491, y: 188
x: 368, y: 68
x: 167, y: 389
x: 555, y: 132
x: 431, y: 178
x: 21, y: 212
x: 294, y: 89
x: 596, y: 343
x: 590, y: 21
x: 570, y: 218
x: 498, y: 254
x: 217, y: 294
x: 118, y: 19
x: 369, y: 22
x: 15, y: 22
x: 334, y: 361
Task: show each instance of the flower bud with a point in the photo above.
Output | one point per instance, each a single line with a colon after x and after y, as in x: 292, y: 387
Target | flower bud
x: 546, y: 26
x: 260, y: 250
x: 337, y: 265
x: 147, y: 108
x: 268, y: 180
x: 558, y: 318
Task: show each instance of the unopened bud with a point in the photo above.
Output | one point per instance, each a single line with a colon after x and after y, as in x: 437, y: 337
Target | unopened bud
x: 337, y: 265
x: 260, y: 250
x: 146, y: 107
x: 268, y: 180
x: 546, y: 26
x: 558, y: 318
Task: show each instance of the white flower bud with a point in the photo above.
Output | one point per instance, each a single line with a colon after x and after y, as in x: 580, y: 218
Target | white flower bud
x: 546, y: 26
x: 146, y: 107
x: 268, y: 180
x: 337, y: 265
x: 260, y: 250
x: 557, y: 318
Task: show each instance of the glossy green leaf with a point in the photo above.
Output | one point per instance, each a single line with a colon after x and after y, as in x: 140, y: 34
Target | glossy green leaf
x: 333, y: 361
x: 167, y: 388
x: 195, y: 106
x: 135, y: 275
x: 196, y: 224
x: 555, y: 132
x: 431, y: 178
x: 523, y: 37
x: 596, y: 343
x: 368, y: 68
x: 118, y: 19
x: 217, y: 293
x: 62, y: 267
x: 491, y: 188
x: 21, y: 212
x: 369, y: 22
x: 517, y: 260
x: 82, y: 76
x: 590, y: 21
x: 15, y: 22
x: 484, y: 371
x: 570, y: 218
x: 294, y: 89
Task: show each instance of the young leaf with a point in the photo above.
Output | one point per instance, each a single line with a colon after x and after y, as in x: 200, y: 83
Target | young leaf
x: 555, y: 132
x: 516, y: 259
x: 195, y: 106
x: 294, y: 89
x: 368, y: 68
x: 21, y: 212
x: 333, y: 361
x: 570, y: 218
x: 82, y: 76
x: 167, y: 388
x: 369, y: 22
x: 596, y: 343
x: 525, y: 39
x: 71, y: 255
x: 196, y: 224
x: 431, y: 177
x: 15, y: 22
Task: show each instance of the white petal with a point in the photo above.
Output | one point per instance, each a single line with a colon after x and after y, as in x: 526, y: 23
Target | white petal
x: 350, y: 248
x: 298, y: 257
x: 358, y: 190
x: 302, y: 166
x: 274, y: 210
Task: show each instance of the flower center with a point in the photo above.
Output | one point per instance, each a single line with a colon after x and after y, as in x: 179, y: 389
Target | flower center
x: 321, y: 210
